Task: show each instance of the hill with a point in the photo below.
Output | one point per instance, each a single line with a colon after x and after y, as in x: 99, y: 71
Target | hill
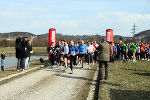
x: 14, y: 35
x: 144, y: 35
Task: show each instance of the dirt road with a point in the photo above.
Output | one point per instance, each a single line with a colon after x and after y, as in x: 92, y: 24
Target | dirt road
x: 48, y: 84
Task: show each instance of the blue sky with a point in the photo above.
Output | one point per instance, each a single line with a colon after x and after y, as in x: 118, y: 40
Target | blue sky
x: 74, y: 16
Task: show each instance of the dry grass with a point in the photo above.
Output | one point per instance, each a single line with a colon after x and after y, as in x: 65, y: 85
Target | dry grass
x: 10, y: 51
x: 127, y: 81
x: 12, y: 70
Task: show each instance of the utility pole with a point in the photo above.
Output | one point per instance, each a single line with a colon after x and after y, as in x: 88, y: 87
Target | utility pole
x: 134, y: 29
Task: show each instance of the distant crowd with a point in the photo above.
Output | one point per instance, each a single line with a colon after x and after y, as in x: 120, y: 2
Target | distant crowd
x: 131, y: 51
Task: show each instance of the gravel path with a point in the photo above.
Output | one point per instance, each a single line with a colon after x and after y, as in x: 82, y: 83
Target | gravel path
x: 48, y: 84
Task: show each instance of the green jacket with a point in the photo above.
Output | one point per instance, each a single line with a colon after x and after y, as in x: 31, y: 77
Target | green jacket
x: 104, y: 51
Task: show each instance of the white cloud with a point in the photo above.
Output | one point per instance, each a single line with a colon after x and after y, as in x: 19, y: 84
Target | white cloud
x: 120, y: 22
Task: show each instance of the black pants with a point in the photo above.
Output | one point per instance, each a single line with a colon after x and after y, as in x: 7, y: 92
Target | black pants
x: 72, y: 61
x: 101, y: 63
x: 52, y: 59
x: 142, y: 54
x: 95, y: 56
x: 21, y: 63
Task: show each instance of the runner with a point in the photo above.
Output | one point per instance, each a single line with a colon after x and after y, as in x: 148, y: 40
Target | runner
x: 58, y: 48
x: 147, y: 51
x: 73, y: 51
x: 51, y: 51
x: 95, y: 52
x: 124, y: 52
x: 82, y: 49
x: 90, y: 52
x: 133, y: 48
x: 143, y: 51
x: 138, y: 52
x: 66, y: 54
x: 62, y: 53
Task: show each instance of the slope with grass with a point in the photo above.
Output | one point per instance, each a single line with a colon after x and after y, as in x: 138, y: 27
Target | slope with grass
x: 127, y: 81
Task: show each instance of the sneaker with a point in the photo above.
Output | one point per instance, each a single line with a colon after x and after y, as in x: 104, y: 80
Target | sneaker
x: 22, y: 69
x: 65, y: 68
x: 17, y: 70
x: 101, y: 78
x: 89, y: 68
x: 106, y: 78
x: 79, y: 63
x: 71, y: 72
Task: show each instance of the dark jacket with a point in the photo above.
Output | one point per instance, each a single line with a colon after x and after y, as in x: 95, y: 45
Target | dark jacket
x: 28, y: 48
x: 20, y: 52
x: 24, y: 48
x: 104, y: 52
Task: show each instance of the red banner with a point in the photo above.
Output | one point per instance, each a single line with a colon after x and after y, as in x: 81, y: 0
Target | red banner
x: 109, y: 37
x: 52, y: 36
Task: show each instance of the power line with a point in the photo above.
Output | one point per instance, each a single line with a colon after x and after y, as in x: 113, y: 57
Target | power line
x: 134, y: 29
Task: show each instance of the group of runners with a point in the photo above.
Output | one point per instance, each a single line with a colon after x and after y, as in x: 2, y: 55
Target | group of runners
x: 131, y: 51
x: 65, y: 53
x: 74, y: 53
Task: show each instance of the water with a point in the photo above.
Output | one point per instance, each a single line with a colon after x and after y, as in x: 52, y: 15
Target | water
x: 12, y: 61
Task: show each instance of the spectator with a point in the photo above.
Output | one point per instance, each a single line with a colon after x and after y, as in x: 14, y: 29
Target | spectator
x: 20, y: 52
x: 28, y: 48
x: 2, y: 60
x: 104, y: 53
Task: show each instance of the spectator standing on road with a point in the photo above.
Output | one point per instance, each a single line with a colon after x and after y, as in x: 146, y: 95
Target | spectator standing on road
x: 20, y: 52
x: 2, y: 60
x: 104, y: 52
x: 28, y: 48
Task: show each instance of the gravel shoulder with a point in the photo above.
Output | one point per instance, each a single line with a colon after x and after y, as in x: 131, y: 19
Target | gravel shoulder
x: 49, y: 84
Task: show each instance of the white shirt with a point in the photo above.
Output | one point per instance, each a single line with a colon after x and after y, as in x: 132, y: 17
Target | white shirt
x: 138, y: 49
x: 66, y: 49
x: 90, y: 49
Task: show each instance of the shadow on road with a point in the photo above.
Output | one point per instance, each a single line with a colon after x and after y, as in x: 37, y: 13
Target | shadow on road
x: 55, y: 69
x: 75, y: 77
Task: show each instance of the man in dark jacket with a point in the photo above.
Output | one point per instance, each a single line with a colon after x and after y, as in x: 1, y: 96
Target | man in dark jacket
x: 104, y: 52
x: 20, y: 52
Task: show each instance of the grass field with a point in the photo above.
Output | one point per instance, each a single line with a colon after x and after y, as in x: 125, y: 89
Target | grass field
x: 11, y: 50
x: 127, y: 81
